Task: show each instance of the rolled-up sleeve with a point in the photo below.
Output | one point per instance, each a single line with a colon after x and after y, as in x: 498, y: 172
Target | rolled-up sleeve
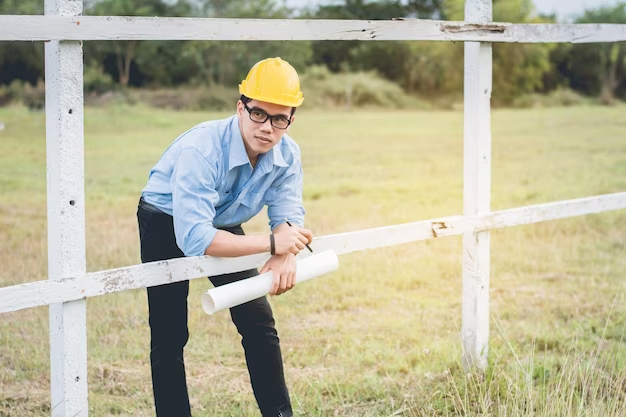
x: 193, y: 201
x: 288, y: 201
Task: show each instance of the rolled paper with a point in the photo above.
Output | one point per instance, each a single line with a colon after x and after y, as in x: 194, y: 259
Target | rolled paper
x: 231, y: 295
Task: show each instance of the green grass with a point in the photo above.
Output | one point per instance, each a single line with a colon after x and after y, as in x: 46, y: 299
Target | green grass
x: 380, y: 336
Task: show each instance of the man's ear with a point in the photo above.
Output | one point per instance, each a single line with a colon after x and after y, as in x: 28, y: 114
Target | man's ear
x: 240, y: 108
x: 293, y: 119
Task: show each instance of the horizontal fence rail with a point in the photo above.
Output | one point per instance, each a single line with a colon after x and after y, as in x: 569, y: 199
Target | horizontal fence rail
x: 40, y: 293
x: 45, y: 28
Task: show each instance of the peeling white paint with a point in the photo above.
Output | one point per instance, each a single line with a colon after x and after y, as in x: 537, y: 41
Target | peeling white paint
x: 66, y: 215
x: 43, y: 28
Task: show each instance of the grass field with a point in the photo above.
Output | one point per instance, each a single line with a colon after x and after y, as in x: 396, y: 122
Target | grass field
x: 379, y: 337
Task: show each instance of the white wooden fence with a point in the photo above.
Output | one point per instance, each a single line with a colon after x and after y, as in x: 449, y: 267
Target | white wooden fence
x: 63, y: 28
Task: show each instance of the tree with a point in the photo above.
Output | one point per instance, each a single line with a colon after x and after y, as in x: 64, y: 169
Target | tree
x: 518, y: 69
x: 592, y: 69
x: 338, y: 56
x: 608, y: 60
x: 21, y: 60
x: 434, y: 68
x: 125, y: 52
x: 225, y: 62
x: 427, y: 9
x: 267, y: 9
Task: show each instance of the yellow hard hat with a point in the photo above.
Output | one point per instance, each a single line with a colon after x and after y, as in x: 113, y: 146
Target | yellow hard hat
x: 274, y: 81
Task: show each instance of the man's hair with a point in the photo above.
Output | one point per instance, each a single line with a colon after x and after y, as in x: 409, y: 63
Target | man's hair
x: 246, y: 100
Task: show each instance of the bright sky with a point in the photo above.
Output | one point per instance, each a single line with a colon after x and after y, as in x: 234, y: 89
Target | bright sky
x: 564, y: 9
x: 568, y: 9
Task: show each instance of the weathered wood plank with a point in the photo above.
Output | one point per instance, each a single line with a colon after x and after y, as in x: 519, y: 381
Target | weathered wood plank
x: 44, y: 28
x: 477, y: 189
x: 551, y: 211
x: 40, y: 293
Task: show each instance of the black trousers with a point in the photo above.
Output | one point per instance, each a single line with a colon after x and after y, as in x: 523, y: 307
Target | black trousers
x: 169, y: 333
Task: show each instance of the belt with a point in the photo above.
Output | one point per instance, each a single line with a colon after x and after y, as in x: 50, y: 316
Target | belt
x: 150, y: 207
x: 234, y: 229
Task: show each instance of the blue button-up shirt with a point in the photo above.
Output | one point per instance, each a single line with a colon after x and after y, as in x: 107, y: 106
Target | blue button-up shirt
x: 205, y: 180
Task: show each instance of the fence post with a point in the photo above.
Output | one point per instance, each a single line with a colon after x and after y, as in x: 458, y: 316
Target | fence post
x: 477, y: 189
x: 66, y: 214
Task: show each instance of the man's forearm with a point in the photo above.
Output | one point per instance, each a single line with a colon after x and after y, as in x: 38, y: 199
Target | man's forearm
x: 228, y: 245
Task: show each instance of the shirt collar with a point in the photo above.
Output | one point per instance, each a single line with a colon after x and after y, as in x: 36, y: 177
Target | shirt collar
x: 278, y: 156
x: 238, y: 155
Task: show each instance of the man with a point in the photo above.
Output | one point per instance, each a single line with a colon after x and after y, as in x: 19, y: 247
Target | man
x: 213, y: 178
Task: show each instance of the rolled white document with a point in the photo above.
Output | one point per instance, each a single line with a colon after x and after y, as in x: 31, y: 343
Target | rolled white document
x: 231, y: 295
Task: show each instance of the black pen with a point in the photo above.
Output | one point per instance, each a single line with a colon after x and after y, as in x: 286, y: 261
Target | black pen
x: 307, y: 246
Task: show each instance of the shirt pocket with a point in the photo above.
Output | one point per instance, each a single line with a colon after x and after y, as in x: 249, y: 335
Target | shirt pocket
x: 257, y: 199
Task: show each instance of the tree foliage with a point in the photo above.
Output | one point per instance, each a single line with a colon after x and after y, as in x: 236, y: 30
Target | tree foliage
x: 430, y: 69
x: 21, y: 60
x: 604, y: 69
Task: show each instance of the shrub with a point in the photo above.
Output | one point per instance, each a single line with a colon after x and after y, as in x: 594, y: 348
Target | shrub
x: 323, y: 89
x: 178, y: 99
x: 216, y: 98
x: 187, y: 98
x: 96, y: 81
x: 557, y: 98
x: 34, y: 97
x: 5, y: 96
x: 19, y: 91
x: 14, y: 92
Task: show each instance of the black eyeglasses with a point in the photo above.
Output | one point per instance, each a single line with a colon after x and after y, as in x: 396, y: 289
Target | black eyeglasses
x: 259, y: 116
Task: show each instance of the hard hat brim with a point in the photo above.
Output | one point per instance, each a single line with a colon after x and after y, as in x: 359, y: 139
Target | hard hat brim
x: 284, y: 101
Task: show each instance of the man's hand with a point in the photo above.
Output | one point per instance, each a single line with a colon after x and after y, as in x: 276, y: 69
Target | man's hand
x: 283, y: 269
x: 291, y: 239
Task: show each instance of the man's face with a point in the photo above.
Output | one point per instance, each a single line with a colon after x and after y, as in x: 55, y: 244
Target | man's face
x: 260, y: 137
